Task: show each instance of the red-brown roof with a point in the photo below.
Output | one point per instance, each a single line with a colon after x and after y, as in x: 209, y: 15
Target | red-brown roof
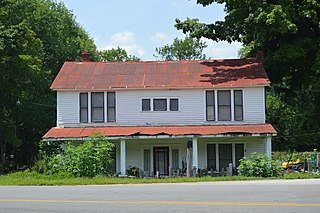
x: 160, y: 74
x: 159, y: 130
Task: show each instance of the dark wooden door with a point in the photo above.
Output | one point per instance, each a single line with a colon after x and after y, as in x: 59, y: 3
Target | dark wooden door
x: 161, y: 160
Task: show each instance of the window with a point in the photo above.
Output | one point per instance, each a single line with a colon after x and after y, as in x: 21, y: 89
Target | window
x: 146, y: 105
x: 146, y: 161
x: 159, y: 104
x: 111, y: 107
x: 239, y: 153
x: 174, y: 104
x: 97, y: 107
x: 83, y: 107
x: 210, y: 105
x: 224, y: 105
x: 211, y: 156
x: 238, y: 105
x: 175, y: 158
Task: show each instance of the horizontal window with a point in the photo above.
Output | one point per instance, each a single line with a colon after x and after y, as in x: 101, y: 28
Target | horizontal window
x: 159, y: 104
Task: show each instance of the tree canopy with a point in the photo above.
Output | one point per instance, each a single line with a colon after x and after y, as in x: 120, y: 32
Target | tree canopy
x: 182, y: 49
x: 288, y: 33
x: 36, y: 38
x: 114, y: 55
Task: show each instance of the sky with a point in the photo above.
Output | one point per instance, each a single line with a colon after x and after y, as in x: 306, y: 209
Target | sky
x: 139, y: 26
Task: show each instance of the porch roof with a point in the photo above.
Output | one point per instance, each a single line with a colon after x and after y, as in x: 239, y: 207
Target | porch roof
x: 77, y: 133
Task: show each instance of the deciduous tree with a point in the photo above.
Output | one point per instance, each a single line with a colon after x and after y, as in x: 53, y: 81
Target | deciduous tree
x: 182, y: 49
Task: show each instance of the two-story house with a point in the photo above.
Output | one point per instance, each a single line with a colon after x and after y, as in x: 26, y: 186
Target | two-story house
x: 150, y: 110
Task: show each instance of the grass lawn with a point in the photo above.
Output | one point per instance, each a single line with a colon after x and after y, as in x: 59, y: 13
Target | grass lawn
x: 35, y: 179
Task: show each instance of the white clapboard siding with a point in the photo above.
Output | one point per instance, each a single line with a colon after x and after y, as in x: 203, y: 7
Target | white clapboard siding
x: 255, y: 146
x: 67, y: 103
x: 191, y: 108
x: 254, y: 105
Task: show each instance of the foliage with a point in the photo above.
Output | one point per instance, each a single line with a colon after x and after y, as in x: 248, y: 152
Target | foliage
x: 290, y: 156
x: 259, y: 165
x: 113, y: 55
x: 133, y: 171
x: 91, y: 158
x: 36, y: 38
x: 288, y: 33
x: 182, y: 49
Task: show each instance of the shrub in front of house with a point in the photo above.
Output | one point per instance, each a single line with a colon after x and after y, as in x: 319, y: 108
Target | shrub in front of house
x: 259, y: 165
x: 91, y: 158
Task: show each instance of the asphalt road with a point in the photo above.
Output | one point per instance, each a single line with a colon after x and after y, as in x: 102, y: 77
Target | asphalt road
x: 245, y: 196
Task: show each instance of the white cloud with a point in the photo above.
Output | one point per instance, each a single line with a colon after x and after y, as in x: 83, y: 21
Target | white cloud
x: 125, y: 40
x: 159, y: 37
x: 222, y: 50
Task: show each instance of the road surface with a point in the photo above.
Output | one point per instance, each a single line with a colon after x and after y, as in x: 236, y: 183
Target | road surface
x: 237, y: 196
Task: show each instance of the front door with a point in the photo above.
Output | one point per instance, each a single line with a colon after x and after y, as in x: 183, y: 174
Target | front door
x: 161, y: 160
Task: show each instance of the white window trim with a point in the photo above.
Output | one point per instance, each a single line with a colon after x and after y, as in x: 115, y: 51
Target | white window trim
x: 168, y: 104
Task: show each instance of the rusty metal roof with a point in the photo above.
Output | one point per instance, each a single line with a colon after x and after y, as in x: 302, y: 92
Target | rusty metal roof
x: 160, y: 74
x: 80, y: 132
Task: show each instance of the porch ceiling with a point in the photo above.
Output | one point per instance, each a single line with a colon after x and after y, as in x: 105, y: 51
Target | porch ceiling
x: 159, y: 131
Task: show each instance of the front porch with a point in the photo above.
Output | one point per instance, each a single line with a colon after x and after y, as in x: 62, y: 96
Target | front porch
x: 167, y: 156
x: 158, y: 150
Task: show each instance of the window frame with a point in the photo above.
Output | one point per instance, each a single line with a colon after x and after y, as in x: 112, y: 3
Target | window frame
x: 100, y: 107
x: 81, y: 107
x: 168, y: 104
x: 109, y: 106
x: 232, y: 106
x: 238, y: 105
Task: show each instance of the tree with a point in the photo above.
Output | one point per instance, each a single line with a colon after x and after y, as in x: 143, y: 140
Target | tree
x: 182, y: 49
x: 288, y: 33
x: 113, y: 55
x: 36, y: 38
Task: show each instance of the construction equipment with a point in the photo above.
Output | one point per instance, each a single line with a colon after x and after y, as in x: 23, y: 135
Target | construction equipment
x: 293, y: 165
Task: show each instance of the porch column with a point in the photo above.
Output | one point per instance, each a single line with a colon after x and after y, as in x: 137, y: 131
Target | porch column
x: 195, y: 152
x: 123, y: 157
x: 268, y: 146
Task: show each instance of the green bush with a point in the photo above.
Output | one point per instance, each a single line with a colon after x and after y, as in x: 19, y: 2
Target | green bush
x: 91, y: 158
x: 259, y: 165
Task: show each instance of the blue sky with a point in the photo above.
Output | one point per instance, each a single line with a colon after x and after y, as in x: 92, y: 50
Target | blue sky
x: 139, y: 26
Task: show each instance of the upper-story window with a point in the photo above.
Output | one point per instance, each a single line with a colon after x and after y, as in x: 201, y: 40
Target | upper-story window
x: 97, y: 107
x: 224, y: 105
x: 111, y: 107
x: 238, y: 105
x: 160, y: 104
x: 83, y: 107
x: 219, y: 105
x: 210, y: 109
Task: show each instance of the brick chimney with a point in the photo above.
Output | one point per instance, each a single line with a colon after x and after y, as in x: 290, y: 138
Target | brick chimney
x: 259, y: 55
x: 85, y: 56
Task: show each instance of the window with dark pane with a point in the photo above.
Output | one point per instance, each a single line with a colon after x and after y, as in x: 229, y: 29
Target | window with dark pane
x: 111, y: 106
x: 211, y: 157
x: 97, y: 107
x: 239, y: 153
x: 224, y: 105
x: 83, y: 107
x: 146, y: 104
x: 174, y: 104
x: 159, y: 104
x: 175, y: 158
x: 238, y: 105
x: 210, y: 115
